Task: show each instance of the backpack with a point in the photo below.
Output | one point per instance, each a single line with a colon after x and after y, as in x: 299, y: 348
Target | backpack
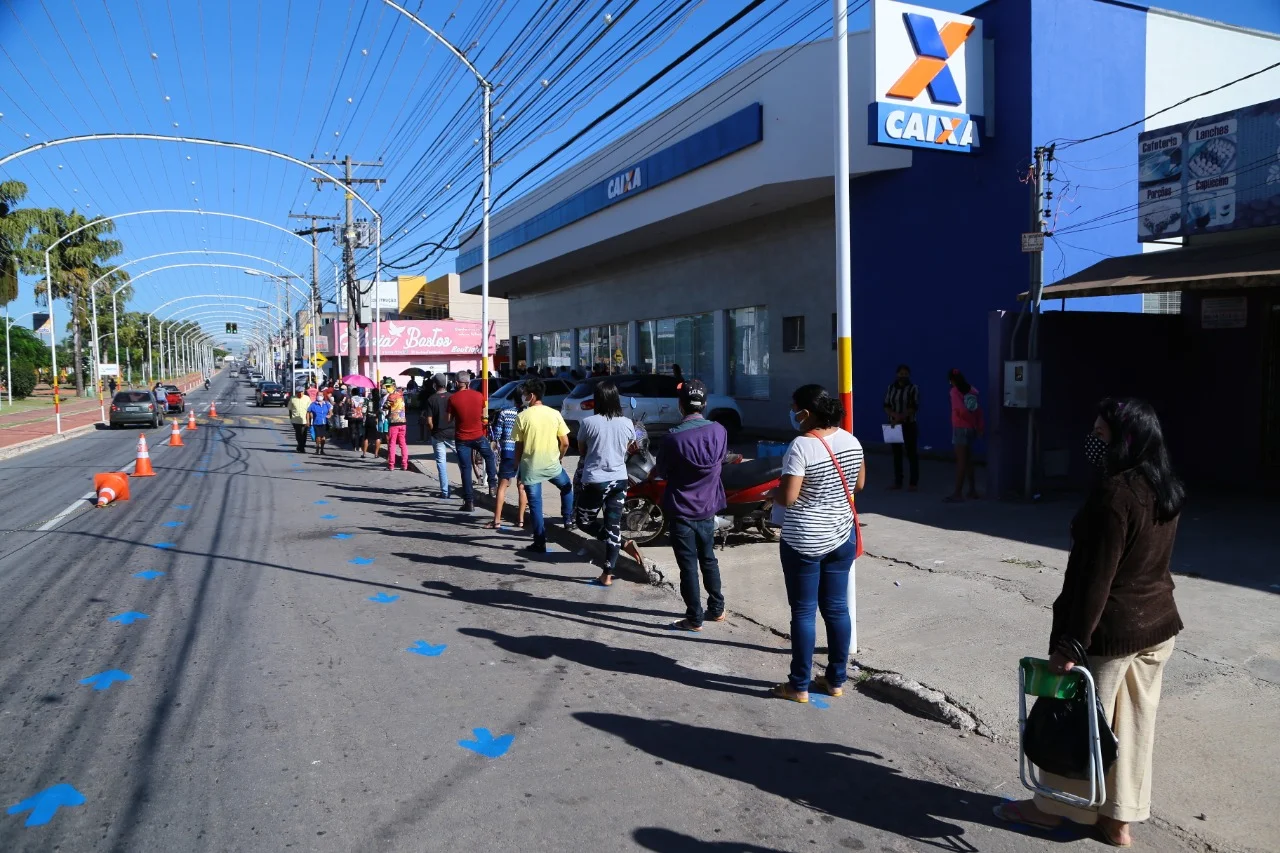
x: 357, y: 408
x: 971, y: 401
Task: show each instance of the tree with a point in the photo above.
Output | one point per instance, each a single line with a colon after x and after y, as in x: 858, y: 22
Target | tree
x: 25, y: 345
x: 15, y: 224
x: 75, y: 263
x: 23, y: 379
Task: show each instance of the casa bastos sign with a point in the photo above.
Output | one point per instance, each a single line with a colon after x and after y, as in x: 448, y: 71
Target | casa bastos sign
x: 418, y: 337
x: 927, y: 73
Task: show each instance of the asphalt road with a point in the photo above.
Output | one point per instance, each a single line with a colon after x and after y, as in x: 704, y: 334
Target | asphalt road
x: 326, y: 644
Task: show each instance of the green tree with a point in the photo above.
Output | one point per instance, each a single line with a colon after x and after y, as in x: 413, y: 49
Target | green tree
x: 25, y: 345
x: 75, y: 263
x: 15, y: 224
x: 23, y: 379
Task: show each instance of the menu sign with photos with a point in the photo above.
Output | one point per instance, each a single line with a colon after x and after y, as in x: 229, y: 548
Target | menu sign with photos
x: 1219, y: 173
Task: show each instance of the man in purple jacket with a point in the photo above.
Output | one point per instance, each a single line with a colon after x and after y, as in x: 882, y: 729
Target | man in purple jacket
x: 690, y: 460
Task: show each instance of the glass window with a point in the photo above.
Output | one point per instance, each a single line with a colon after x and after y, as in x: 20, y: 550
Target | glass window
x: 684, y: 341
x: 793, y: 334
x: 603, y: 347
x: 551, y: 349
x: 749, y: 367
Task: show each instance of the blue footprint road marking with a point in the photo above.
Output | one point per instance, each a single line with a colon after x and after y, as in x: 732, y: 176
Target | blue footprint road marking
x: 328, y: 515
x: 104, y: 680
x: 148, y: 575
x: 383, y: 598
x: 164, y: 546
x: 183, y: 507
x: 172, y: 524
x: 361, y: 561
x: 44, y: 805
x: 342, y: 536
x: 819, y: 702
x: 486, y: 744
x: 422, y: 647
x: 128, y: 618
x: 320, y: 503
x: 197, y: 474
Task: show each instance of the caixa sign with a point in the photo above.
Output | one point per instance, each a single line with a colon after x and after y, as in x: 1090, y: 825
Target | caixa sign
x: 928, y: 76
x: 628, y: 181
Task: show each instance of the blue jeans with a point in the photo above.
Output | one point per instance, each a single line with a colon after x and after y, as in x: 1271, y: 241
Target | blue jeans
x: 465, y: 449
x: 694, y: 544
x: 442, y: 448
x: 533, y: 491
x: 818, y: 583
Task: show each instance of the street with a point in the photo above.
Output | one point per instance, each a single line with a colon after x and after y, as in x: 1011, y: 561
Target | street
x: 265, y: 651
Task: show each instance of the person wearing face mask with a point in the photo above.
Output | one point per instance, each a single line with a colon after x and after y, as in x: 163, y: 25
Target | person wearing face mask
x: 967, y: 426
x: 901, y: 405
x: 442, y: 429
x: 1117, y: 606
x: 821, y: 471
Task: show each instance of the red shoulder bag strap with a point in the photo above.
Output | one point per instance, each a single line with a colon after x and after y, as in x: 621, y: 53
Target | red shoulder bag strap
x: 857, y: 529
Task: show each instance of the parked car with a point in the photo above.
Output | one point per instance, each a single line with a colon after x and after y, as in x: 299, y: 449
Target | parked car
x: 506, y: 396
x: 271, y: 394
x: 175, y: 400
x: 657, y: 399
x: 135, y: 407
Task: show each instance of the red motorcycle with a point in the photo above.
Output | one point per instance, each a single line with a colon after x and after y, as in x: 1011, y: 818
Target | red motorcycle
x: 748, y: 506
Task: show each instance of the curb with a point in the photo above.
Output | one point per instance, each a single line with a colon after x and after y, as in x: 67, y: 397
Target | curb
x: 44, y: 441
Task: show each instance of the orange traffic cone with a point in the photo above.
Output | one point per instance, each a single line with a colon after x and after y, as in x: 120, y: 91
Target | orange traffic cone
x: 175, y: 437
x: 191, y: 419
x: 213, y: 409
x: 111, y: 487
x: 142, y: 468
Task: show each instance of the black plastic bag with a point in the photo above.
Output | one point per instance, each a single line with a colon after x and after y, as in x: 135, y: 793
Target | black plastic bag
x: 1056, y: 738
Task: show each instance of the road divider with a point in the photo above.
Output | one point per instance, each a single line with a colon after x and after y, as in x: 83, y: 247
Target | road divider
x: 142, y: 466
x: 191, y: 420
x: 175, y: 437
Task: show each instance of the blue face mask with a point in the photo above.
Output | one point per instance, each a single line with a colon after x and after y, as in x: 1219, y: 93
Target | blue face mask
x: 797, y: 422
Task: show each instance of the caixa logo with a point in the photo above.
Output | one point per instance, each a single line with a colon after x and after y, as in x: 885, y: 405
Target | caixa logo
x: 628, y: 181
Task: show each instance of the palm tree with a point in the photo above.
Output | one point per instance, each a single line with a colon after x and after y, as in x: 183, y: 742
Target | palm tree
x: 15, y: 224
x: 74, y: 263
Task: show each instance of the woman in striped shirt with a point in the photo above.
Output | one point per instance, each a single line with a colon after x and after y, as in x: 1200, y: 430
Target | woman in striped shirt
x: 821, y: 470
x: 501, y: 433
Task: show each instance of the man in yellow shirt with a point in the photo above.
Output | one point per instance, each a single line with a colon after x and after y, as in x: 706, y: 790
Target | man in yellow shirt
x: 542, y: 439
x: 298, y: 418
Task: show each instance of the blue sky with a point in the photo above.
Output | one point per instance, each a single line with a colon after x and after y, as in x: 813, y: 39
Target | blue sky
x: 322, y: 78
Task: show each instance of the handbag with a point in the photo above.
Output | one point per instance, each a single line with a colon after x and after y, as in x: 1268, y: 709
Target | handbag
x: 857, y: 528
x: 1056, y: 737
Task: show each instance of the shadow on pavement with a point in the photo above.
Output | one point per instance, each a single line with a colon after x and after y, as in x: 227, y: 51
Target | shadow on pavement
x: 668, y: 841
x: 828, y: 778
x: 606, y: 658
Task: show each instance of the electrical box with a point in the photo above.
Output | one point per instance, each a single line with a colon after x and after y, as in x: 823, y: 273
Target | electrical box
x: 1022, y: 384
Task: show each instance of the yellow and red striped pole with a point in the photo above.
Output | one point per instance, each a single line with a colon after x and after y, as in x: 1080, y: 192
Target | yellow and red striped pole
x: 844, y: 268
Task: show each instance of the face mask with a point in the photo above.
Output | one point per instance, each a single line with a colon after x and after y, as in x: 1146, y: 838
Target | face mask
x: 1095, y: 450
x: 903, y: 383
x: 797, y: 422
x: 525, y: 400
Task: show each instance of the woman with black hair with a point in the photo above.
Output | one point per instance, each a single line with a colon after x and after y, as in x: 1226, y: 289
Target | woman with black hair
x: 1117, y: 605
x: 967, y: 426
x: 820, y: 473
x: 603, y: 441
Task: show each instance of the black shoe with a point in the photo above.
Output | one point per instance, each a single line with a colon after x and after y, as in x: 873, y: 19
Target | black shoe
x: 468, y: 506
x: 535, y: 547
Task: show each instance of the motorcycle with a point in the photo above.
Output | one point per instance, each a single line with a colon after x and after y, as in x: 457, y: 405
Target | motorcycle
x: 748, y: 488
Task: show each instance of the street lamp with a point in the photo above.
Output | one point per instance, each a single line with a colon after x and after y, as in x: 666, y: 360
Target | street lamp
x: 487, y: 89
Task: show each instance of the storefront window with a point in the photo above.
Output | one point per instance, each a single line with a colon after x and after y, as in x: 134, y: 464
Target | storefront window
x: 749, y: 369
x: 603, y: 347
x: 551, y: 349
x: 686, y: 341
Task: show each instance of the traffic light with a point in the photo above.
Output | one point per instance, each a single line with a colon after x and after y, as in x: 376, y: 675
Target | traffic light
x: 228, y: 329
x: 235, y: 328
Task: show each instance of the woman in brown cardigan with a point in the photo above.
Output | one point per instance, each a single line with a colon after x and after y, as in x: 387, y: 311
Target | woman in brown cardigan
x: 1117, y: 601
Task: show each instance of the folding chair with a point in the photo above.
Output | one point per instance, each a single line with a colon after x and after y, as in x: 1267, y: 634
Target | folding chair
x: 1037, y: 679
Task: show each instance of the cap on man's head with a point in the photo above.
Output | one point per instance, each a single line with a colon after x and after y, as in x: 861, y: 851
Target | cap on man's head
x: 693, y: 393
x: 440, y: 380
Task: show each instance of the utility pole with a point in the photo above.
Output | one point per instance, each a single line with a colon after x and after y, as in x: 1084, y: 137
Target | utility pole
x: 1040, y: 197
x: 349, y: 244
x: 314, y: 231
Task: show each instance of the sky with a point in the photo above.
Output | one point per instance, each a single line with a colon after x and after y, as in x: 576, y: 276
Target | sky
x: 319, y: 79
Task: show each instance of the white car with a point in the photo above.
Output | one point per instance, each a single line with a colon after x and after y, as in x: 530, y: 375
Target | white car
x: 657, y: 398
x: 506, y: 396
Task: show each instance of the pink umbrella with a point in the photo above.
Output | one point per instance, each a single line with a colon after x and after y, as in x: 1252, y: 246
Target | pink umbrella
x: 355, y: 380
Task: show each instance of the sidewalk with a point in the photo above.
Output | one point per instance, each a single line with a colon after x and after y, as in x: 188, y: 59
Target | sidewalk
x: 951, y: 596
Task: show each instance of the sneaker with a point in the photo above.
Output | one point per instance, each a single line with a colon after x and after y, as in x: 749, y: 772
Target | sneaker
x: 535, y: 547
x: 468, y: 506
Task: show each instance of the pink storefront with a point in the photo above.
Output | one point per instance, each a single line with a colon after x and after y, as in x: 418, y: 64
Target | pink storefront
x: 434, y: 345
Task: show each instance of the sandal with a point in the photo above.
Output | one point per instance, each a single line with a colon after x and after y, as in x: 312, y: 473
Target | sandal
x: 600, y: 581
x: 1105, y: 834
x: 491, y: 525
x: 821, y: 685
x: 686, y: 625
x: 786, y: 691
x: 1011, y: 812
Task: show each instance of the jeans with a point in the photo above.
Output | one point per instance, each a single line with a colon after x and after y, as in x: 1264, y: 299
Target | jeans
x: 465, y: 449
x: 533, y: 491
x: 910, y: 438
x: 300, y: 436
x: 611, y: 497
x: 818, y: 583
x: 694, y: 544
x: 442, y: 448
x: 396, y: 436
